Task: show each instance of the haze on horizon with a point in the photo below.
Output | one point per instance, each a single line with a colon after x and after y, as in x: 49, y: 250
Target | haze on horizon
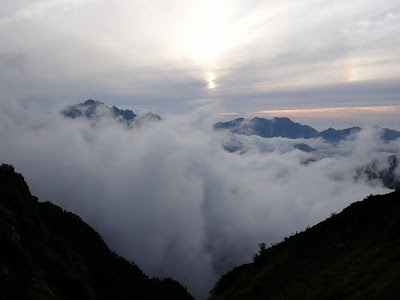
x: 333, y: 63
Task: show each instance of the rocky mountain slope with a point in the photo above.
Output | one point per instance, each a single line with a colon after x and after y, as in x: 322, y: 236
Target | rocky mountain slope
x: 49, y: 253
x: 352, y: 255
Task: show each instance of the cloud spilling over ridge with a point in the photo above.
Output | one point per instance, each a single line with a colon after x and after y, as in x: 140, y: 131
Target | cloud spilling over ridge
x: 169, y: 197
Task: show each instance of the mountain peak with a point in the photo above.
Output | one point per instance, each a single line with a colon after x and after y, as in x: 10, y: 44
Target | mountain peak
x: 276, y: 127
x: 94, y: 110
x: 282, y: 119
x: 285, y: 127
x: 91, y: 102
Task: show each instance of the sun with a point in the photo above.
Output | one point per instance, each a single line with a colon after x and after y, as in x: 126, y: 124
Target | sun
x: 211, y: 81
x: 211, y: 84
x: 206, y: 32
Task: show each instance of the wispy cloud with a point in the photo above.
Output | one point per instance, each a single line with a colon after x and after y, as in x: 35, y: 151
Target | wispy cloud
x: 37, y: 9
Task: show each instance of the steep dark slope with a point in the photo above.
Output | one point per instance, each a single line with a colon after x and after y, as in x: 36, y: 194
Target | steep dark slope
x: 352, y: 255
x: 48, y: 253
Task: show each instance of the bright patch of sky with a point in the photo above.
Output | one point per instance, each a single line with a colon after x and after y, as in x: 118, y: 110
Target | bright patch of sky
x: 173, y: 56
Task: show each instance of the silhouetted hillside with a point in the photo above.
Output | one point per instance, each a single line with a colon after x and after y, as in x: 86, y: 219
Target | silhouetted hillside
x: 351, y: 255
x: 49, y: 253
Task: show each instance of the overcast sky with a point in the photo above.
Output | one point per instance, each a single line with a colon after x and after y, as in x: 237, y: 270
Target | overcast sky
x: 253, y: 57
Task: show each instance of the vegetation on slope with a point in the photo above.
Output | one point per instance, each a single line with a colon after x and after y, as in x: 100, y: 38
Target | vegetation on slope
x: 351, y: 255
x: 48, y: 253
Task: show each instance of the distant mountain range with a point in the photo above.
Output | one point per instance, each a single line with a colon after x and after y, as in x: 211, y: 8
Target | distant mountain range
x: 352, y: 255
x: 49, y: 253
x: 276, y: 127
x: 383, y: 171
x: 94, y: 110
x: 286, y: 128
x: 266, y: 128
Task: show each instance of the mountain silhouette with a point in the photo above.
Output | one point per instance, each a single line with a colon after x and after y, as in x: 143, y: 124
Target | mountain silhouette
x: 286, y: 128
x: 351, y: 255
x: 49, y: 253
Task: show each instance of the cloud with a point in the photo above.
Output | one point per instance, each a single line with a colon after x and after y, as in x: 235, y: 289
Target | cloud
x: 167, y: 195
x: 126, y: 48
x: 27, y: 10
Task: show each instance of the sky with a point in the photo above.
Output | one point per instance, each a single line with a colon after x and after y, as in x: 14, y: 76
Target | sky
x: 325, y: 63
x: 167, y: 195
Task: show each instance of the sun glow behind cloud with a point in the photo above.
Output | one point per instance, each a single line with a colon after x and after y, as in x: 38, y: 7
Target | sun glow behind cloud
x: 212, y: 32
x: 211, y: 81
x: 205, y: 33
x: 251, y: 49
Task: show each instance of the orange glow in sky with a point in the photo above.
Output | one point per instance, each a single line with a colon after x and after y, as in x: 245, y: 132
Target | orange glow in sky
x: 330, y: 110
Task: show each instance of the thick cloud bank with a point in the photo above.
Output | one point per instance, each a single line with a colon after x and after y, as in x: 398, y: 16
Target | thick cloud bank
x: 169, y: 197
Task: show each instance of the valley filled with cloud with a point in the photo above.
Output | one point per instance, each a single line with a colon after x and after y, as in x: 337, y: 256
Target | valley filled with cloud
x: 169, y: 197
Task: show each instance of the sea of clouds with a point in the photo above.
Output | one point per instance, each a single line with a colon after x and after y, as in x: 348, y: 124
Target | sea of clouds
x: 169, y: 197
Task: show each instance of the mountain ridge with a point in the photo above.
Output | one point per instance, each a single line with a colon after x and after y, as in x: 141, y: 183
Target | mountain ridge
x: 49, y: 253
x: 351, y: 255
x: 286, y: 128
x: 94, y: 110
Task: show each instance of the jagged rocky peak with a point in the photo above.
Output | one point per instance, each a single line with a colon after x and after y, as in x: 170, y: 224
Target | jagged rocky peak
x: 94, y: 110
x: 91, y: 102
